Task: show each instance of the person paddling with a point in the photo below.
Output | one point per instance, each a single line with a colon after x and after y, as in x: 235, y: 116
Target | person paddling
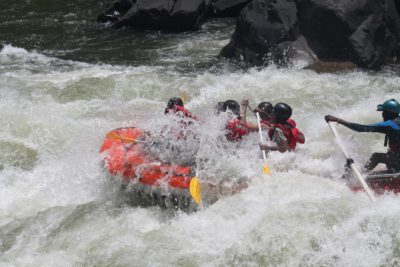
x: 175, y: 106
x: 236, y: 128
x: 183, y: 117
x: 283, y: 131
x: 390, y: 127
x: 264, y: 109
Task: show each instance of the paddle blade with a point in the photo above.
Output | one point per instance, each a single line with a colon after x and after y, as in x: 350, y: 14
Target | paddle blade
x: 195, y: 190
x: 183, y: 96
x: 114, y: 135
x: 266, y: 169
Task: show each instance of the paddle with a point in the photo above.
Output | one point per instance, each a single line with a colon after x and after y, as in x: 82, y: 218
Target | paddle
x: 114, y: 135
x: 183, y: 96
x: 265, y: 167
x: 195, y: 189
x: 352, y: 165
x: 194, y: 186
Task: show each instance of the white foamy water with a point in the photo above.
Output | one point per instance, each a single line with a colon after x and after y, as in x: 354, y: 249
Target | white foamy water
x: 58, y: 208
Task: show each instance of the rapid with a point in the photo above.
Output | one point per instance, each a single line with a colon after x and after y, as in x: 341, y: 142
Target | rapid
x: 66, y: 81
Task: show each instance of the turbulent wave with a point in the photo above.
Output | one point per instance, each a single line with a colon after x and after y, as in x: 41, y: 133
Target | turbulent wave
x: 58, y: 207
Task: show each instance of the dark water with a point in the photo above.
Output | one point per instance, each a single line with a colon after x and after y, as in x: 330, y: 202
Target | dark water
x: 68, y: 30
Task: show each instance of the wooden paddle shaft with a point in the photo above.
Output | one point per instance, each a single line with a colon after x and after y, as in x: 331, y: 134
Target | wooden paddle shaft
x: 352, y: 165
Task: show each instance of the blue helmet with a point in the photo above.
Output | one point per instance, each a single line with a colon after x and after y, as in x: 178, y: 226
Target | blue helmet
x: 389, y: 105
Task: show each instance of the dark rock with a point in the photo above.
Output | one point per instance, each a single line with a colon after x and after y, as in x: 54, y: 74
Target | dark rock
x: 147, y: 14
x: 158, y: 12
x: 362, y: 31
x: 115, y: 11
x: 327, y: 25
x: 264, y: 31
x: 365, y: 32
x: 227, y: 8
x: 391, y: 44
x: 188, y: 14
x: 174, y: 15
x: 365, y: 40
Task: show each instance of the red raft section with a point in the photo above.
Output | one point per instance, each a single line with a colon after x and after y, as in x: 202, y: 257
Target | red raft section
x: 381, y: 182
x: 125, y: 156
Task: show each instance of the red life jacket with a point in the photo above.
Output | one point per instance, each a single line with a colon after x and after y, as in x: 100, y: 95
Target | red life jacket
x: 290, y: 131
x: 182, y: 114
x: 265, y: 122
x: 180, y: 111
x: 236, y: 129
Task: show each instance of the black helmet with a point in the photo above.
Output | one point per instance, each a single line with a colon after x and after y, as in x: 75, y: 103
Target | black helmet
x: 174, y: 101
x: 266, y: 107
x: 282, y: 112
x: 233, y: 106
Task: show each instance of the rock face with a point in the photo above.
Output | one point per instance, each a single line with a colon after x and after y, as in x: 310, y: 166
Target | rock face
x: 174, y: 15
x: 116, y: 10
x: 265, y: 30
x: 227, y: 8
x: 366, y: 32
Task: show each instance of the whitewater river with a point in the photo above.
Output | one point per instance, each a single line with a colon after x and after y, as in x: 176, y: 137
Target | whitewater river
x: 65, y: 81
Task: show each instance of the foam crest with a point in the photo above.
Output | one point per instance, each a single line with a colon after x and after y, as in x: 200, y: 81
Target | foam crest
x: 12, y: 55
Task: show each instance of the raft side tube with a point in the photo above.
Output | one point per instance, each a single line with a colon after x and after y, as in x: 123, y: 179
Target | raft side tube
x: 380, y: 182
x: 147, y: 195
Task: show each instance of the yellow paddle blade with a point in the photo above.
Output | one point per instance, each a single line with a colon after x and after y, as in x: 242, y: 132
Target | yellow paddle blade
x: 265, y: 169
x: 195, y: 190
x: 183, y: 96
x: 116, y: 136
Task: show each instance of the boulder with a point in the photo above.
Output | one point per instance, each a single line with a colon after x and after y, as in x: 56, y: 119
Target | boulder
x: 328, y: 26
x: 365, y: 32
x: 173, y: 15
x: 264, y: 32
x: 115, y: 11
x: 152, y: 14
x: 227, y: 8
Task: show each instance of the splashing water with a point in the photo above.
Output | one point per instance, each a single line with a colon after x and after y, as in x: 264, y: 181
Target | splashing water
x: 58, y: 208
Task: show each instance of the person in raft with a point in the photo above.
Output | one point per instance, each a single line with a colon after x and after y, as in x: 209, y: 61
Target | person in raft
x: 283, y: 131
x: 236, y: 128
x: 175, y: 106
x: 264, y: 109
x: 390, y: 127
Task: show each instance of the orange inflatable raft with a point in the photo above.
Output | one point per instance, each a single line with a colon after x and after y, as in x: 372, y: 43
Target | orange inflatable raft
x: 145, y: 179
